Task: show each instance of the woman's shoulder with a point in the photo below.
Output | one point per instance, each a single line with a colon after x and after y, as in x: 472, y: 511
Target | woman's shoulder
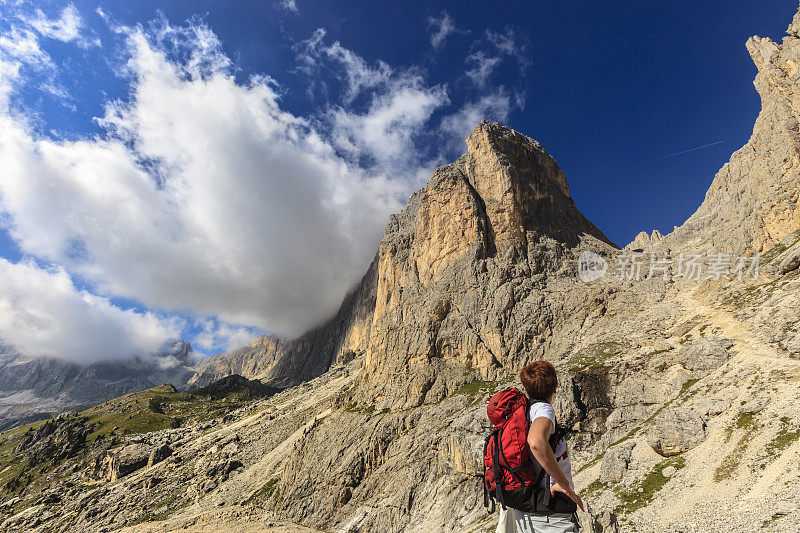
x: 542, y: 409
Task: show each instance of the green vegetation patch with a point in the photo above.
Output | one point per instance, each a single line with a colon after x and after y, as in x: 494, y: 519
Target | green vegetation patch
x: 747, y: 423
x: 785, y: 437
x: 268, y: 490
x: 156, y: 409
x: 771, y: 254
x: 595, y: 487
x: 31, y: 469
x: 353, y: 407
x: 595, y: 356
x: 164, y: 509
x: 476, y: 390
x: 632, y: 500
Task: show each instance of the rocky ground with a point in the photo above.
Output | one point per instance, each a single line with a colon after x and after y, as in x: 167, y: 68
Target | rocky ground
x: 702, y: 416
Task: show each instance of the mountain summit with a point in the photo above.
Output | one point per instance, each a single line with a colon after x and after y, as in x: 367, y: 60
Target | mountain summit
x: 503, y: 210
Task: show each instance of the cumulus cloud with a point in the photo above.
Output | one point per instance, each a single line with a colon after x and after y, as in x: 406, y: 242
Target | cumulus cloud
x: 203, y: 196
x: 440, y: 28
x: 43, y: 314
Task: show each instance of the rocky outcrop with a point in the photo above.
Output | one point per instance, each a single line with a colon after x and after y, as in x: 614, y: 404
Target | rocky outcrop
x: 753, y: 201
x: 615, y: 463
x: 790, y: 259
x: 110, y: 465
x: 472, y: 293
x: 704, y: 354
x: 251, y: 389
x: 56, y: 439
x: 677, y: 430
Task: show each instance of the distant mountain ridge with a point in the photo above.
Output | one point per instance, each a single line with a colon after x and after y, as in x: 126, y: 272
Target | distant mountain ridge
x: 36, y: 388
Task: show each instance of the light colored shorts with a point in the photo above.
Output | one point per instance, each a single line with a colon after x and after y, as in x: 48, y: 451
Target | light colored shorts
x: 512, y: 521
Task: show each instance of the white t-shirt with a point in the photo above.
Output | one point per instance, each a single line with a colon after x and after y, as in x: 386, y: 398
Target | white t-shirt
x: 545, y: 410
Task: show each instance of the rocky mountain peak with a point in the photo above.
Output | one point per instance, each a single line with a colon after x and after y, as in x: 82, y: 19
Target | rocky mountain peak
x: 522, y: 187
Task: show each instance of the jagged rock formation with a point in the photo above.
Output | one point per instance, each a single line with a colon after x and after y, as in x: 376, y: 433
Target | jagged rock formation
x: 465, y: 271
x: 236, y: 384
x: 32, y: 389
x: 752, y: 203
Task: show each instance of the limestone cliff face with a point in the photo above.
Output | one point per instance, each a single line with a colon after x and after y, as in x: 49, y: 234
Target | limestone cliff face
x: 754, y: 200
x: 463, y: 271
x: 442, y: 292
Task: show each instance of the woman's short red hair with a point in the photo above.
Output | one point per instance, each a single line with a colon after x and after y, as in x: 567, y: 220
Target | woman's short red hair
x: 539, y: 379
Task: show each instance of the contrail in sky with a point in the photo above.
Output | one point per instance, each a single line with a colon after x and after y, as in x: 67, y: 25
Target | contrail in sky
x: 676, y: 153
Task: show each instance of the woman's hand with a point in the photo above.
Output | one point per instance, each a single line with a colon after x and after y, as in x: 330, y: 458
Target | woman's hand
x: 569, y: 492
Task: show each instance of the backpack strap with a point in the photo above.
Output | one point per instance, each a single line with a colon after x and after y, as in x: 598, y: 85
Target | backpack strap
x: 488, y: 498
x: 498, y: 478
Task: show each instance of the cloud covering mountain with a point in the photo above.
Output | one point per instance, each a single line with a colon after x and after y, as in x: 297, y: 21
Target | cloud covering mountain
x: 200, y: 206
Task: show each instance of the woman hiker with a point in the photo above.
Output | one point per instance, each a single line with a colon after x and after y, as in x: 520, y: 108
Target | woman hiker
x: 540, y: 383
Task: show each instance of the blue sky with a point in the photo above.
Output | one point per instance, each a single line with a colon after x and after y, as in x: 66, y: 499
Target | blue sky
x: 216, y: 170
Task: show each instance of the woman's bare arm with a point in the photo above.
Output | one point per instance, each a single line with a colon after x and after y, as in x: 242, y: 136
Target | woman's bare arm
x: 540, y: 448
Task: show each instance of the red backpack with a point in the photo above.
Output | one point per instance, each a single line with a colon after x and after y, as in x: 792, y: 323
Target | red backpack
x: 509, y: 474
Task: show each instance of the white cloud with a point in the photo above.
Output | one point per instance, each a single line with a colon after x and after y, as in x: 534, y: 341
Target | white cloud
x: 482, y: 68
x: 399, y: 105
x: 348, y: 66
x: 440, y: 28
x: 67, y: 27
x: 216, y: 337
x: 202, y: 196
x: 500, y: 45
x: 387, y: 130
x: 289, y: 5
x: 493, y: 107
x: 43, y: 314
x: 242, y: 210
x: 503, y: 42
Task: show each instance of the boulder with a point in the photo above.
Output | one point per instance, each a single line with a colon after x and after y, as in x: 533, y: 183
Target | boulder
x: 705, y: 354
x: 130, y: 459
x: 675, y: 431
x: 615, y: 462
x: 595, y: 521
x: 112, y: 465
x: 159, y: 454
